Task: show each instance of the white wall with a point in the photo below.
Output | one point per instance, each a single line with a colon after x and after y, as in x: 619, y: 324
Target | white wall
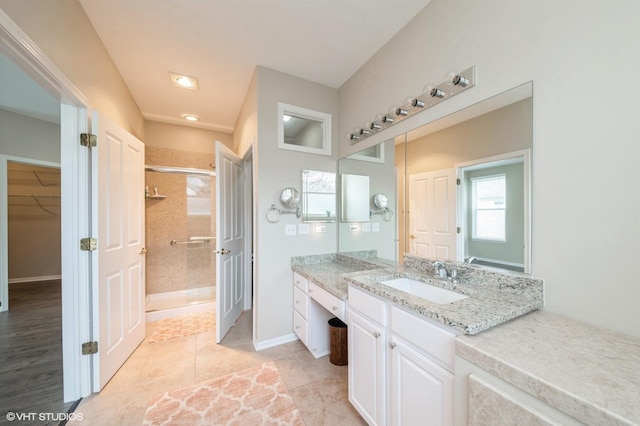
x: 585, y: 148
x: 275, y: 170
x: 27, y: 137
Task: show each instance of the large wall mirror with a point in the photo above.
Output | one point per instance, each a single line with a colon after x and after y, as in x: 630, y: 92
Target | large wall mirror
x: 486, y: 147
x: 302, y: 129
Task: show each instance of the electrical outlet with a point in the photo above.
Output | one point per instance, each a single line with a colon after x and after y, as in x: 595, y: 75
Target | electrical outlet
x: 375, y: 227
x: 354, y: 228
x: 366, y: 227
x: 303, y: 229
x: 290, y: 229
x: 321, y: 228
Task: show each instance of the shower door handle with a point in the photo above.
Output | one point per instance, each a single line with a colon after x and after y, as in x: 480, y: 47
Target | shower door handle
x: 223, y: 251
x: 143, y: 251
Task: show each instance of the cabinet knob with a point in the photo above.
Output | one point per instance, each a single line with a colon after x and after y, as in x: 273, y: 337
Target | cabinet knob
x: 392, y: 345
x: 297, y: 327
x: 297, y: 301
x: 310, y: 290
x: 376, y: 334
x: 335, y: 308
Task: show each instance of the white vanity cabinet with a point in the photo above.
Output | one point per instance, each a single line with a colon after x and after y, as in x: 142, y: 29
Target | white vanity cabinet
x: 313, y: 307
x: 400, y: 364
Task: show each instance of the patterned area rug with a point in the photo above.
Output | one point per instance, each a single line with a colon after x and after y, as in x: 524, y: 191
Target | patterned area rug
x: 256, y: 396
x: 171, y: 328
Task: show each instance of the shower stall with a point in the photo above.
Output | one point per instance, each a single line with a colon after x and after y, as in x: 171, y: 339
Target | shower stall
x: 180, y: 238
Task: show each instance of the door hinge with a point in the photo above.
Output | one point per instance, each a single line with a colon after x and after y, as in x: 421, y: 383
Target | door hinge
x: 457, y: 181
x: 88, y: 139
x: 458, y: 229
x: 88, y: 244
x: 89, y: 348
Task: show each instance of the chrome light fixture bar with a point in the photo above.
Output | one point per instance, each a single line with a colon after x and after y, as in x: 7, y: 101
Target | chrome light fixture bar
x: 455, y: 83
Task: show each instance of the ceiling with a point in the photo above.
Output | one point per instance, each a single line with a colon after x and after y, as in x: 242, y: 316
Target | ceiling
x: 221, y: 43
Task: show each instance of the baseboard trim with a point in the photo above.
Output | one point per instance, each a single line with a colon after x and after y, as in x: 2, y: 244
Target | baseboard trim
x: 265, y: 344
x: 34, y: 279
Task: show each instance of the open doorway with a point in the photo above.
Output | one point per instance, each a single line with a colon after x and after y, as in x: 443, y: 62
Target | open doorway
x: 31, y: 329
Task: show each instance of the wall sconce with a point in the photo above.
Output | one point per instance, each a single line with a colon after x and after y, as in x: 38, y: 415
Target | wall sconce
x: 455, y: 83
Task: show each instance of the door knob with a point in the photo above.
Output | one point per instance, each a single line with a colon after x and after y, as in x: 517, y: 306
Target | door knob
x: 223, y: 251
x: 413, y: 237
x: 143, y: 251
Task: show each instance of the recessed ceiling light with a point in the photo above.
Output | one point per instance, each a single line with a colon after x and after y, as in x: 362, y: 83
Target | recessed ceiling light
x: 190, y: 117
x: 184, y: 81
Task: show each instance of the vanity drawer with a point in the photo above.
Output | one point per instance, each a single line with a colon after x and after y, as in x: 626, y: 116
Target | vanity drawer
x: 436, y: 342
x: 368, y: 305
x: 300, y: 327
x: 301, y: 282
x: 330, y: 302
x: 300, y: 302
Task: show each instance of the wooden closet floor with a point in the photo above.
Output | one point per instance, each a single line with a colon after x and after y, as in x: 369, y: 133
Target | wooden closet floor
x: 31, y: 350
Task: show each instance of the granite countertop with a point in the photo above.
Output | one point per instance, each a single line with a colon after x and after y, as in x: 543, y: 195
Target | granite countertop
x: 590, y: 373
x: 328, y: 271
x: 487, y: 305
x: 492, y: 298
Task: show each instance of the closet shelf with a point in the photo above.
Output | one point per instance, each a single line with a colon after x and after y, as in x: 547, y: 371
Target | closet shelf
x: 155, y: 197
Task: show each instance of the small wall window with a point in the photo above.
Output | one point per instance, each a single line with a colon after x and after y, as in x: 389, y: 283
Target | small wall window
x: 489, y: 203
x: 301, y: 129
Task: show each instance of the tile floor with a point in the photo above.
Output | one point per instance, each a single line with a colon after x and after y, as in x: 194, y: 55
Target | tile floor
x: 318, y: 387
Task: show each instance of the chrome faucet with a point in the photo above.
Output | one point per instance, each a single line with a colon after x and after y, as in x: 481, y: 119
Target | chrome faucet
x: 470, y: 260
x: 440, y: 270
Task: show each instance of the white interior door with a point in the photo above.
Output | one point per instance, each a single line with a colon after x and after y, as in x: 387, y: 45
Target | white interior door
x: 118, y: 217
x: 432, y: 214
x: 230, y: 235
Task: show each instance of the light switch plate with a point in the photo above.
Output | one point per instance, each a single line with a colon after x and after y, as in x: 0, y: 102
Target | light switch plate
x: 321, y: 228
x: 290, y: 229
x: 303, y: 229
x: 375, y: 227
x: 366, y: 227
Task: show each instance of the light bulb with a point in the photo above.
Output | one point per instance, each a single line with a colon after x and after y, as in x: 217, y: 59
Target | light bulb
x: 433, y: 91
x: 398, y: 111
x: 374, y: 125
x: 414, y: 102
x: 455, y: 79
x: 385, y: 119
x: 354, y: 137
x: 365, y: 132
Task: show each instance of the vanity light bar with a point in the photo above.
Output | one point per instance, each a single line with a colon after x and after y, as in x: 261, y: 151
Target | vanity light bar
x: 456, y: 82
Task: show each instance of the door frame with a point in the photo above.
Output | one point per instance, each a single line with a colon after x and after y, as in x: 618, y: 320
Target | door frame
x: 249, y: 215
x: 74, y: 163
x: 461, y: 197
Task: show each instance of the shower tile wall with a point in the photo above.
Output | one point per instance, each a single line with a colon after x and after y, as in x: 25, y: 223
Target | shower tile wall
x: 173, y: 268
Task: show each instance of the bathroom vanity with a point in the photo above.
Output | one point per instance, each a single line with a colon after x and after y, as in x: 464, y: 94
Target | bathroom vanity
x: 488, y: 357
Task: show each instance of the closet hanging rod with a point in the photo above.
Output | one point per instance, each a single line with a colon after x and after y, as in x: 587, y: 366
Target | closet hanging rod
x: 180, y: 170
x: 33, y: 196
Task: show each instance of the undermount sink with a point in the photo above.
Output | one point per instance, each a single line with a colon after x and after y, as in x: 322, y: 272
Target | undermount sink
x: 424, y: 291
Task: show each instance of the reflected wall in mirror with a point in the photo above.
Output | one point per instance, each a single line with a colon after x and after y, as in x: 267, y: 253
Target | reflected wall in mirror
x: 318, y: 196
x: 302, y: 129
x: 419, y: 176
x: 372, y: 232
x: 486, y: 216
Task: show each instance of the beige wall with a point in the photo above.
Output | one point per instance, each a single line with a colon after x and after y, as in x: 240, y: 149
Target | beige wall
x: 501, y: 131
x: 183, y: 138
x: 64, y: 32
x: 246, y: 127
x: 585, y: 149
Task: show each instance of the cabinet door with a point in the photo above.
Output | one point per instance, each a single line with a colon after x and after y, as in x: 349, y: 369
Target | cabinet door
x: 421, y: 391
x: 367, y: 369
